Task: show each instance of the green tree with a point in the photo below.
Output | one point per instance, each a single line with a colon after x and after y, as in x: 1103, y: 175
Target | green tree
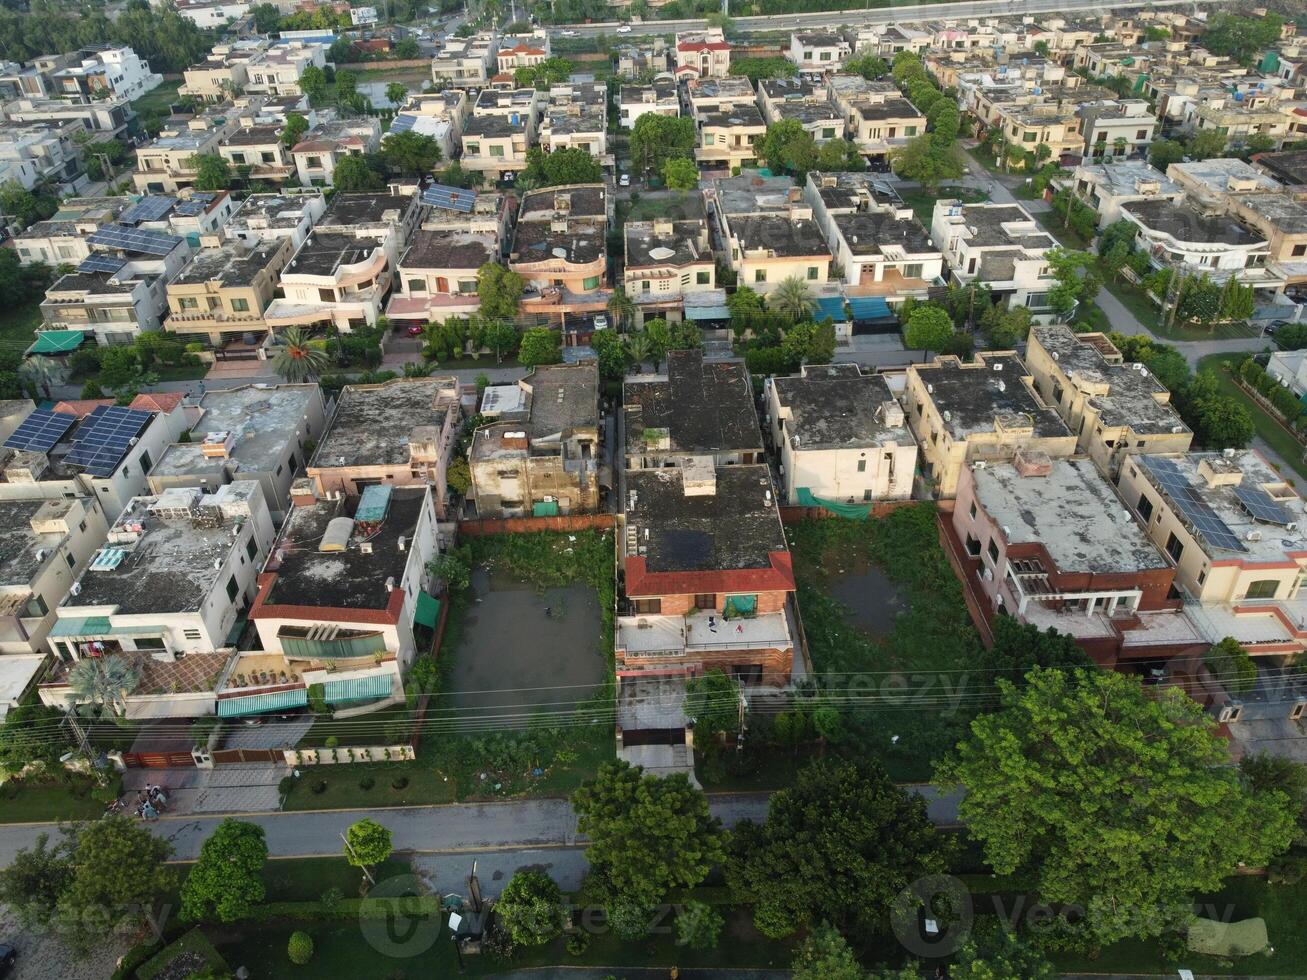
x: 1207, y: 143
x: 299, y: 948
x: 920, y: 159
x: 226, y: 883
x: 540, y: 345
x: 501, y: 337
x: 458, y: 476
x: 407, y: 49
x: 1114, y: 799
x: 531, y: 909
x: 648, y: 834
x: 410, y: 153
x: 267, y: 18
x: 698, y: 925
x: 499, y: 290
x: 297, y: 360
x: 212, y: 172
x: 396, y: 93
x: 680, y: 173
x: 787, y: 146
x: 838, y: 846
x: 352, y: 173
x: 756, y: 69
x: 655, y: 139
x: 996, y: 953
x: 104, y: 683
x: 1163, y: 153
x: 638, y: 349
x: 1218, y: 420
x: 868, y: 66
x: 792, y: 298
x: 1020, y: 647
x: 621, y: 307
x: 826, y: 955
x: 118, y: 873
x: 313, y: 83
x: 712, y: 703
x: 1005, y: 328
x: 945, y: 122
x: 1241, y: 37
x: 294, y: 130
x: 835, y: 156
x: 658, y: 333
x: 612, y: 354
x: 367, y: 843
x: 24, y: 738
x: 929, y: 327
x: 810, y: 343
x: 1229, y: 662
x: 32, y: 883
x: 570, y: 165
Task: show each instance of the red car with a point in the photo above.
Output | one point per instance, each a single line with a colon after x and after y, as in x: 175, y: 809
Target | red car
x: 415, y: 331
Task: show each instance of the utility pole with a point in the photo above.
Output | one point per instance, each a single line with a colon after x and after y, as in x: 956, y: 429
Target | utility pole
x: 354, y: 854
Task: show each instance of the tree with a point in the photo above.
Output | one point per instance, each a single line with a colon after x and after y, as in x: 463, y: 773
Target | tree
x: 945, y: 122
x: 680, y: 174
x: 792, y: 298
x: 1076, y: 280
x: 407, y: 49
x: 1005, y: 328
x: 621, y: 306
x: 655, y: 139
x: 928, y: 328
x: 835, y: 156
x: 1229, y: 662
x: 32, y: 884
x: 540, y: 345
x: 117, y: 874
x: 1241, y: 37
x: 825, y: 955
x: 810, y: 343
x: 920, y: 159
x: 551, y: 71
x: 698, y: 925
x: 712, y: 703
x: 1218, y: 421
x: 226, y: 883
x: 1257, y: 143
x: 1114, y: 260
x: 502, y: 338
x: 410, y: 153
x: 531, y: 909
x: 104, y: 683
x: 297, y: 360
x: 756, y: 69
x: 612, y: 354
x: 1207, y: 143
x: 570, y: 165
x: 744, y: 303
x: 352, y: 173
x: 994, y: 952
x: 1114, y: 799
x: 25, y: 206
x: 212, y: 172
x: 659, y: 335
x: 396, y: 93
x: 313, y: 83
x: 455, y: 176
x: 838, y: 846
x: 299, y: 948
x: 499, y: 291
x: 638, y: 349
x: 648, y: 834
x: 24, y: 737
x: 1163, y: 153
x: 340, y: 53
x: 267, y: 18
x: 294, y: 130
x: 1020, y: 647
x: 367, y: 843
x: 787, y: 146
x: 868, y: 66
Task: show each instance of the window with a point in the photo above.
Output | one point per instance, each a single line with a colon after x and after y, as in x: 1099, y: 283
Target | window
x: 828, y: 133
x: 862, y: 466
x: 993, y: 550
x: 705, y: 600
x: 1202, y: 576
x: 973, y: 510
x: 648, y: 606
x: 150, y: 643
x: 1300, y: 250
x: 813, y: 272
x: 591, y: 282
x: 472, y: 149
x: 912, y: 270
x: 909, y: 130
x: 146, y: 462
x: 1029, y: 137
x: 251, y: 548
x: 1141, y: 134
x: 188, y: 303
x: 1264, y: 589
x: 1174, y: 548
x: 36, y: 606
x: 68, y: 557
x: 1145, y: 506
x: 701, y: 278
x: 759, y: 275
x: 233, y: 590
x: 240, y: 306
x: 497, y: 151
x: 866, y: 496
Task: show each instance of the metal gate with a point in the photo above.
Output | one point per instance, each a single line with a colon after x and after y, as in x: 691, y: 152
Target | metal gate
x: 234, y: 757
x: 158, y: 760
x: 653, y: 736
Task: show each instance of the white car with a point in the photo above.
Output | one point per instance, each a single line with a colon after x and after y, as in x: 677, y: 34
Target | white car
x: 624, y: 180
x: 624, y: 29
x: 568, y: 34
x: 600, y: 322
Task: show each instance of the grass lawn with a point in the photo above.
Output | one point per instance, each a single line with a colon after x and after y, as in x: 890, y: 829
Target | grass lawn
x: 486, y: 363
x: 1284, y: 444
x: 18, y: 324
x: 647, y: 208
x: 923, y: 204
x: 158, y: 99
x: 305, y: 879
x: 1220, y: 331
x: 1052, y: 224
x: 1136, y: 300
x: 31, y: 802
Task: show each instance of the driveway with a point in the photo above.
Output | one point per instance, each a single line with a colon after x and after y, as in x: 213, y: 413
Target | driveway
x: 42, y: 956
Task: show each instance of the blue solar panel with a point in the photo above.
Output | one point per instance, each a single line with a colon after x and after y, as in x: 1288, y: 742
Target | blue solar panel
x: 1194, y: 510
x: 402, y: 123
x: 449, y: 198
x: 193, y: 205
x: 40, y: 431
x: 105, y: 437
x: 101, y: 263
x: 1262, y: 506
x: 150, y: 208
x: 142, y: 240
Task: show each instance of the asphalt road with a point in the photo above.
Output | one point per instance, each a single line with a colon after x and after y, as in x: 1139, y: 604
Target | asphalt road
x: 461, y: 828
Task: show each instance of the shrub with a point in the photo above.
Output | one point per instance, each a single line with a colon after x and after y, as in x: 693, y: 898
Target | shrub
x: 331, y: 741
x: 300, y: 948
x: 578, y: 943
x: 367, y: 782
x: 331, y: 902
x: 399, y: 782
x: 320, y: 787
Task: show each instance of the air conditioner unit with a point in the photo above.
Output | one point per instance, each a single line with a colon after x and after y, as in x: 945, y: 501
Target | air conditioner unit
x: 980, y: 464
x: 1230, y: 712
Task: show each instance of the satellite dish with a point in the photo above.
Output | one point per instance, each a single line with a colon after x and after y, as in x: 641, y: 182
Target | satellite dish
x: 660, y: 253
x: 559, y: 253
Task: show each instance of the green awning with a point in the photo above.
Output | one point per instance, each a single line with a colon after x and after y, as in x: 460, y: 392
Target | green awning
x: 545, y: 508
x: 57, y: 341
x: 97, y: 628
x: 337, y: 648
x: 808, y: 499
x: 357, y: 688
x: 427, y: 612
x: 740, y: 605
x: 253, y: 704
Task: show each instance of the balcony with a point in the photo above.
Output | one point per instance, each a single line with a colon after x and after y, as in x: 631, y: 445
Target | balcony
x: 657, y: 637
x: 214, y: 321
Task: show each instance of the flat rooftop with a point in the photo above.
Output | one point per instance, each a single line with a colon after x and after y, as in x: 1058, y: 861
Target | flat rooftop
x: 449, y: 250
x: 754, y: 194
x: 701, y: 406
x: 323, y: 252
x: 1125, y: 177
x: 170, y: 569
x: 558, y: 400
x: 567, y: 201
x: 373, y: 423
x: 744, y: 114
x: 880, y: 109
x: 851, y: 191
x: 492, y: 127
x: 685, y: 242
x: 350, y: 579
x: 976, y: 395
x: 735, y: 527
x: 780, y: 236
x: 872, y: 232
x: 1131, y: 399
x: 19, y: 543
x: 261, y: 420
x: 270, y: 211
x: 1073, y: 512
x: 1289, y: 166
x: 350, y: 210
x: 994, y: 227
x: 1186, y: 224
x: 1286, y: 213
x: 228, y: 265
x: 836, y: 406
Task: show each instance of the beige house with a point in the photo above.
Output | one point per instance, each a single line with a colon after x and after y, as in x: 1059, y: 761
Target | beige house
x: 702, y: 54
x: 766, y: 251
x: 540, y: 455
x: 260, y: 149
x: 1031, y: 122
x: 660, y: 97
x: 559, y: 242
x: 791, y: 98
x: 666, y: 259
x: 1116, y: 408
x: 817, y: 51
x: 164, y: 167
x: 985, y: 410
x: 1117, y: 128
x: 440, y: 268
x: 496, y: 145
x: 464, y: 60
x: 335, y: 278
x: 323, y: 146
x: 726, y: 136
x: 1282, y: 220
x: 841, y: 436
x: 224, y: 291
x: 876, y: 116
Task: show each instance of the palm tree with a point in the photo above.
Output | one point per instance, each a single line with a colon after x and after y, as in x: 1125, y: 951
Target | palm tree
x: 296, y: 360
x: 640, y: 349
x: 792, y: 298
x: 41, y: 372
x: 104, y: 682
x: 622, y: 307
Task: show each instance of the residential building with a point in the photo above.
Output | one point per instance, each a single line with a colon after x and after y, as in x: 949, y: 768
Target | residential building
x: 400, y: 433
x: 540, y: 454
x: 576, y: 117
x: 765, y: 251
x: 665, y: 260
x: 223, y: 293
x: 496, y: 145
x: 107, y: 118
x: 1239, y: 118
x: 1289, y: 166
x: 1049, y: 542
x: 702, y: 54
x: 317, y: 154
x: 1115, y: 408
x: 1000, y: 246
x: 223, y: 72
x: 276, y: 70
x: 1282, y: 220
x: 1033, y: 121
x: 164, y: 166
x: 391, y: 215
x: 985, y: 410
x: 335, y: 279
x: 212, y: 16
x: 1105, y: 187
x: 41, y: 153
x: 789, y: 98
x: 259, y: 151
x: 558, y: 245
x: 840, y: 436
x: 1210, y: 183
x: 465, y: 61
x: 253, y: 432
x: 522, y: 50
x: 726, y: 136
x: 62, y: 237
x: 887, y: 40
x: 659, y: 97
x: 438, y: 274
x: 876, y: 116
x: 638, y: 61
x: 818, y: 51
x: 1117, y: 128
x: 713, y: 94
x: 289, y: 214
x: 104, y: 69
x: 1233, y: 527
x: 165, y: 593
x: 44, y: 545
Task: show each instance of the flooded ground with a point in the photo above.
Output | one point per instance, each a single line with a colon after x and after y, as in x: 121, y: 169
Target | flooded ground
x: 872, y: 600
x: 522, y: 648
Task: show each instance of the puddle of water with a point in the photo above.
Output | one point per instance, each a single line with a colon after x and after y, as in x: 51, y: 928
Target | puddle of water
x: 873, y: 602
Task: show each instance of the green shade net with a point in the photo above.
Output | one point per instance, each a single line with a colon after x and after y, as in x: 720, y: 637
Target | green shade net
x: 853, y: 511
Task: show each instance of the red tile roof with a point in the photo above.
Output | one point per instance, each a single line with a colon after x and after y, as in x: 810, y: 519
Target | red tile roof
x: 262, y: 609
x: 82, y: 407
x: 703, y: 46
x: 779, y: 577
x: 162, y: 401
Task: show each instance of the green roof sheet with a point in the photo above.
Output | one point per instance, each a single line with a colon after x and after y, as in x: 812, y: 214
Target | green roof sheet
x: 427, y: 612
x: 57, y: 341
x: 358, y: 688
x: 98, y: 627
x: 373, y: 504
x: 253, y: 704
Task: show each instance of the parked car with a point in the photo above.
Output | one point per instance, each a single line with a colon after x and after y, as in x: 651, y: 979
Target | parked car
x: 624, y: 180
x: 415, y: 330
x: 624, y: 29
x: 8, y: 957
x: 569, y: 34
x: 600, y: 322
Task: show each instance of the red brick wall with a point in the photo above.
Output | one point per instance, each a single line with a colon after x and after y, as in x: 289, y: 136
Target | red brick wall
x: 520, y: 525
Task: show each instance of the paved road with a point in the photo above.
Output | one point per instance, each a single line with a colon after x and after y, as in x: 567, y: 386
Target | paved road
x: 462, y: 828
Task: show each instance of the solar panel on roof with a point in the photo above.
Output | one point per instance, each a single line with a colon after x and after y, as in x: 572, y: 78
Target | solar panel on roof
x: 143, y: 240
x: 40, y: 431
x: 105, y: 437
x: 402, y: 123
x: 1193, y: 508
x: 1262, y: 506
x: 150, y: 208
x: 449, y: 198
x: 189, y: 209
x: 101, y: 263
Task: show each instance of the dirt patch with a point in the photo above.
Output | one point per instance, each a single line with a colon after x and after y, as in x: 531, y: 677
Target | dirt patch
x: 873, y: 602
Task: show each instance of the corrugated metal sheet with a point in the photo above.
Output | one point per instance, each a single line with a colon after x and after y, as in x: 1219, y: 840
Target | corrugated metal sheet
x: 253, y: 704
x: 334, y: 649
x: 357, y: 688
